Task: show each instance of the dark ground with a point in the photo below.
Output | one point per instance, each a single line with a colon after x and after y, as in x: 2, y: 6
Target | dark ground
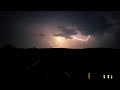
x: 59, y: 64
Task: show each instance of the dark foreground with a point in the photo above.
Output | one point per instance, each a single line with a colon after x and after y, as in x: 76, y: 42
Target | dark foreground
x: 59, y: 64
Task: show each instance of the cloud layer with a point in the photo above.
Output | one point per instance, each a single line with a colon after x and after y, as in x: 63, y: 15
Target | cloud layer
x: 26, y: 28
x: 67, y: 31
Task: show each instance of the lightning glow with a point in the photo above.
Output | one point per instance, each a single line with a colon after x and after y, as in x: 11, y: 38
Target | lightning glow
x: 52, y: 44
x: 80, y: 39
x: 60, y: 39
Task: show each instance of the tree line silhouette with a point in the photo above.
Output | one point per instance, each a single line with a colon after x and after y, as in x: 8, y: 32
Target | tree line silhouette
x: 59, y: 64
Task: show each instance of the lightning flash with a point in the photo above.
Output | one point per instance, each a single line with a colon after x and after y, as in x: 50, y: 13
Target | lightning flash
x: 59, y: 42
x: 60, y: 39
x: 80, y: 39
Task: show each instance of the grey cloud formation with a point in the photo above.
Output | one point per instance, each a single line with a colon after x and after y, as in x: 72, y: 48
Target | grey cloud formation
x: 111, y: 36
x: 63, y: 35
x: 27, y: 28
x: 67, y: 31
x: 39, y: 34
x: 104, y: 26
x: 92, y: 23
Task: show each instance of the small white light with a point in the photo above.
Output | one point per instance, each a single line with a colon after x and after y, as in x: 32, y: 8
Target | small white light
x: 88, y: 75
x: 111, y: 76
x: 103, y: 76
x: 108, y: 76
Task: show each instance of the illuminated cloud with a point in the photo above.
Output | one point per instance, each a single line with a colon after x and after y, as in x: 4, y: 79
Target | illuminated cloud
x: 67, y: 31
x: 27, y: 29
x: 63, y: 35
x: 68, y: 35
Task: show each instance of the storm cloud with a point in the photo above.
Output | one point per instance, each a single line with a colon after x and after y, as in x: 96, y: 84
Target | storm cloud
x: 111, y: 36
x: 67, y: 31
x: 24, y: 29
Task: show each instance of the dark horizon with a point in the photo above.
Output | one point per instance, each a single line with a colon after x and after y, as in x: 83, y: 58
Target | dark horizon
x: 44, y: 64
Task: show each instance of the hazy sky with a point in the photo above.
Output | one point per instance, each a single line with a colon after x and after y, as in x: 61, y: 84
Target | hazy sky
x: 38, y: 28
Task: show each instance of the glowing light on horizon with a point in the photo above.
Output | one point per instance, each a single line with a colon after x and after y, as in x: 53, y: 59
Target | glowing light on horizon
x: 52, y: 44
x: 60, y: 39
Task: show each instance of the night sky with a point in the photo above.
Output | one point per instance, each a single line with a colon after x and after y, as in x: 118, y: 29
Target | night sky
x: 48, y: 29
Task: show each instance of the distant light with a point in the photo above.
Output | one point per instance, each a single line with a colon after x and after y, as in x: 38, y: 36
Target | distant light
x: 88, y: 75
x: 108, y: 76
x: 111, y: 76
x: 103, y: 76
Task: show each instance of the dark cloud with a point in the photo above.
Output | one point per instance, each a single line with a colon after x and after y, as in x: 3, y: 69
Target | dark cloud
x: 63, y: 35
x: 92, y: 23
x: 26, y: 28
x: 67, y: 31
x: 88, y: 23
x: 111, y: 36
x: 41, y: 35
x: 38, y: 34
